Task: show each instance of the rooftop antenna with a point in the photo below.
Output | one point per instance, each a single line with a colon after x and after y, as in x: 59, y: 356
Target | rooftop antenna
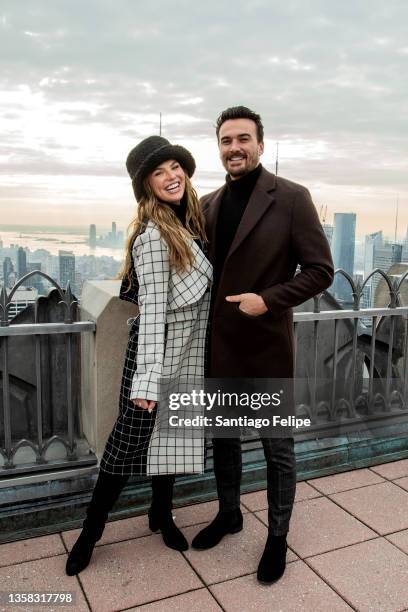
x: 160, y: 124
x: 323, y: 213
x: 396, y: 220
x: 277, y: 159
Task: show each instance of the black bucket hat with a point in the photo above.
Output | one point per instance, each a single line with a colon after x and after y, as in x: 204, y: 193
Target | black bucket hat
x: 149, y: 154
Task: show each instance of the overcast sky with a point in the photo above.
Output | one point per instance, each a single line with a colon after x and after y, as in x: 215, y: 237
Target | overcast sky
x: 83, y: 81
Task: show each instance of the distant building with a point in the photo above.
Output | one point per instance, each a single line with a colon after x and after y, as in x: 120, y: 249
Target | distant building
x: 343, y: 242
x: 111, y: 240
x: 358, y: 278
x: 34, y: 266
x: 385, y: 257
x: 381, y: 255
x: 405, y: 247
x: 91, y: 266
x: 92, y: 236
x: 8, y: 270
x: 79, y: 281
x: 35, y: 281
x: 390, y: 254
x: 21, y: 262
x: 328, y: 230
x: 372, y: 242
x: 21, y: 299
x: 66, y: 269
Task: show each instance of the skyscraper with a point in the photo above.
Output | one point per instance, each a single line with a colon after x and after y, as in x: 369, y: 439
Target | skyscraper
x: 372, y: 241
x: 384, y: 258
x: 21, y: 262
x: 36, y: 281
x: 344, y: 236
x: 405, y: 247
x: 67, y: 268
x: 92, y: 235
x: 328, y: 230
x: 113, y: 232
x: 8, y: 269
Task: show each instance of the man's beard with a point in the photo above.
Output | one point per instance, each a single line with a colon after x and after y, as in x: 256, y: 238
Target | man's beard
x: 237, y: 173
x: 250, y: 165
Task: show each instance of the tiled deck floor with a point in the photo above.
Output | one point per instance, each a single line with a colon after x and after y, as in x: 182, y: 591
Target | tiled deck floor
x: 348, y: 551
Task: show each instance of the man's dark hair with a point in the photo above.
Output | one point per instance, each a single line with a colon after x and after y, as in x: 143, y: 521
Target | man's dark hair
x: 241, y: 112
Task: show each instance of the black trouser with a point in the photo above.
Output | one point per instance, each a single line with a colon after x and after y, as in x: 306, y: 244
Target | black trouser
x: 107, y: 489
x: 281, y: 478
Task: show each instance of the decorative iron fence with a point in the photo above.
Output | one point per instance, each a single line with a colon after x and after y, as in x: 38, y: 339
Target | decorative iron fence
x: 40, y: 383
x: 351, y: 375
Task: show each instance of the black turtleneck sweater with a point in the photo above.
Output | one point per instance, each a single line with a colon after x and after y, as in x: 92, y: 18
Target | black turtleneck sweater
x: 232, y: 208
x: 180, y: 209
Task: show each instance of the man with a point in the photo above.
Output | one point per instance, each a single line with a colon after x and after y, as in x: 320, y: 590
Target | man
x: 260, y: 227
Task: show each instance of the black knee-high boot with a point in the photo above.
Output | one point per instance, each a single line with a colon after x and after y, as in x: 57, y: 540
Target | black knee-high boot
x: 160, y: 516
x: 107, y: 490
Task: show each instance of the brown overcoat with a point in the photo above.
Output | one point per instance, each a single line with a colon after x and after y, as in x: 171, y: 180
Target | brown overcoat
x: 280, y: 229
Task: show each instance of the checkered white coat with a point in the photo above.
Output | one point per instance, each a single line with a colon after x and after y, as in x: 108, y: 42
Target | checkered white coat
x: 166, y: 342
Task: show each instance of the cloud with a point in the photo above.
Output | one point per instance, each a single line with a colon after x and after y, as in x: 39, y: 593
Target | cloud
x: 82, y: 82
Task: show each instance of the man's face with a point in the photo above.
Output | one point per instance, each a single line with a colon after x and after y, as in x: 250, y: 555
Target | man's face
x: 239, y: 147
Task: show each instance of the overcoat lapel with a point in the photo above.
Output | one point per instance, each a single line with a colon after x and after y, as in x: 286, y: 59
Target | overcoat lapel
x: 261, y: 199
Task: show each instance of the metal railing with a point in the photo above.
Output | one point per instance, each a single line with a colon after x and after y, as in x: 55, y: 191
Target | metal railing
x: 351, y: 374
x: 357, y: 374
x: 68, y: 330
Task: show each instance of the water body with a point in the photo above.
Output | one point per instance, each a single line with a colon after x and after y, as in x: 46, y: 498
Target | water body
x: 54, y: 239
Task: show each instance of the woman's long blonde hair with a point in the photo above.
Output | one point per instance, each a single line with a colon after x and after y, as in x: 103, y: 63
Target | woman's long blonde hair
x: 177, y: 237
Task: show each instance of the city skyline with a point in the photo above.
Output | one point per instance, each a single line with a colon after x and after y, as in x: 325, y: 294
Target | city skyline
x: 67, y: 265
x: 86, y: 260
x: 94, y: 243
x: 83, y: 83
x: 103, y: 231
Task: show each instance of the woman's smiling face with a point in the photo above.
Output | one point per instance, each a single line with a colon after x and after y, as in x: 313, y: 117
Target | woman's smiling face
x: 168, y: 181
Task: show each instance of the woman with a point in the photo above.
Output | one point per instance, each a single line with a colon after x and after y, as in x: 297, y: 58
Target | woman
x: 168, y: 275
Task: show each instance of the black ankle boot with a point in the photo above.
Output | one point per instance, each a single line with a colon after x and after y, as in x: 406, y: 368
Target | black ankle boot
x: 171, y: 534
x: 273, y: 561
x: 224, y: 523
x: 81, y: 553
x: 160, y: 516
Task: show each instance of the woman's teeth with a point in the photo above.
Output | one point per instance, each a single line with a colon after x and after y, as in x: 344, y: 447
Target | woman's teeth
x: 173, y: 187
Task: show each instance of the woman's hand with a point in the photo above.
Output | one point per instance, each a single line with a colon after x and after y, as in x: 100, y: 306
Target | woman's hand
x: 145, y: 404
